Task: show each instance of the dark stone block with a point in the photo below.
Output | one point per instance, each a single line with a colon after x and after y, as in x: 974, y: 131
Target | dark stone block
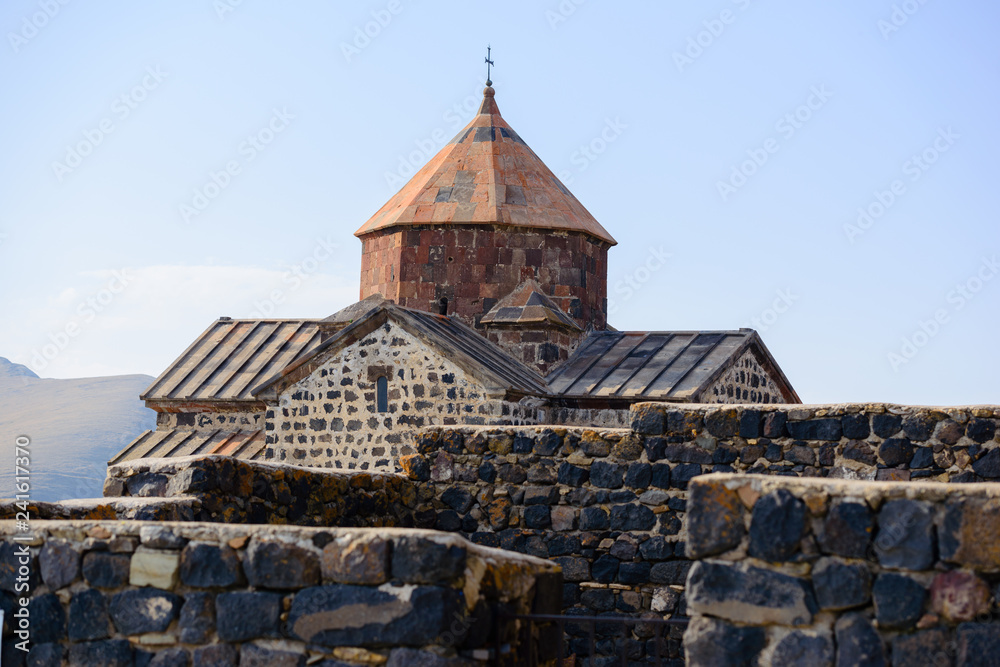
x: 858, y: 643
x: 855, y: 426
x: 638, y: 476
x: 847, y: 530
x: 905, y: 537
x: 840, y: 585
x: 547, y: 443
x: 679, y: 452
x: 537, y: 517
x: 776, y: 526
x: 827, y: 454
x: 648, y: 419
x: 197, y: 618
x: 344, y: 615
x: 672, y: 572
x: 774, y: 453
x: 859, y: 451
x: 750, y: 426
x: 656, y: 548
x: 606, y: 475
x: 598, y: 599
x: 800, y: 648
x: 420, y: 561
x: 749, y: 594
x: 815, y: 429
x: 488, y: 473
x: 988, y: 465
x: 594, y: 518
x: 448, y: 521
x: 923, y: 457
x: 886, y: 425
x: 899, y: 601
x: 660, y: 476
x: 206, y: 565
x: 458, y: 499
x: 215, y: 655
x: 563, y: 545
x: 682, y: 423
x: 48, y: 619
x: 980, y: 430
x: 44, y: 655
x: 522, y: 444
x: 573, y: 568
x: 926, y: 647
x: 170, y: 657
x: 109, y: 653
x: 88, y: 616
x: 143, y: 610
x: 572, y: 475
x: 683, y: 473
x: 241, y: 616
x: 716, y: 524
x: 252, y: 655
x: 106, y: 570
x: 632, y: 517
x: 802, y: 455
x: 59, y: 564
x: 723, y: 423
x: 605, y: 569
x: 919, y: 428
x: 624, y: 548
x: 709, y: 642
x: 280, y: 565
x: 774, y: 425
x: 655, y: 448
x: 633, y: 573
x: 724, y: 455
x: 978, y: 645
x: 895, y: 452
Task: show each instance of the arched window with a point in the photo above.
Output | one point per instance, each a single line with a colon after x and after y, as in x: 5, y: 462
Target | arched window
x: 382, y: 394
x: 443, y: 306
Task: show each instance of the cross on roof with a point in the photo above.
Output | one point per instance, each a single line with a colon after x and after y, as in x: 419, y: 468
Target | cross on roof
x: 489, y: 63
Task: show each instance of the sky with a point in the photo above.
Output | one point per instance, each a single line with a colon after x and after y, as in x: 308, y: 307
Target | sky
x: 822, y: 172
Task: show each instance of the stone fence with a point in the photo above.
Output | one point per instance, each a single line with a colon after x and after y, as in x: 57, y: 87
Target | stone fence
x: 822, y: 572
x: 124, y: 593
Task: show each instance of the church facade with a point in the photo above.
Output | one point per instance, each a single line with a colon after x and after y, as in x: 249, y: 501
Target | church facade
x: 483, y: 301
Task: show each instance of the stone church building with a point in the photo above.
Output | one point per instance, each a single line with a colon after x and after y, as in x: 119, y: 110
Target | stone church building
x: 483, y: 301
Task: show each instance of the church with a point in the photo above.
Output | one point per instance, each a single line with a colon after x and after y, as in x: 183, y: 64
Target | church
x: 483, y: 302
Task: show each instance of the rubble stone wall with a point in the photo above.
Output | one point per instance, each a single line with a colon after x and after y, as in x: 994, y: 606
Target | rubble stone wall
x: 124, y: 593
x: 331, y: 418
x: 225, y: 489
x: 232, y: 420
x: 823, y: 572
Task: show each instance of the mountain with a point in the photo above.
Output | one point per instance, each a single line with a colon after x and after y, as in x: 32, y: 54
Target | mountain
x: 74, y: 425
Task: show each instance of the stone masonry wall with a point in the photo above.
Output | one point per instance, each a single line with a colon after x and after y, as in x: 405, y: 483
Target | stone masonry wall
x: 330, y: 419
x: 822, y: 572
x: 609, y: 505
x: 746, y: 381
x: 225, y: 489
x: 124, y: 593
x: 234, y: 420
x: 475, y: 266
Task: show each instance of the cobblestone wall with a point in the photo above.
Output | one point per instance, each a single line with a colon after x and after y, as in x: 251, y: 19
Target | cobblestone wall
x: 817, y: 572
x: 124, y: 593
x: 239, y: 420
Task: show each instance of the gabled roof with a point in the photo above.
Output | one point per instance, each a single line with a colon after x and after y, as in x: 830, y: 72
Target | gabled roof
x: 664, y: 366
x: 528, y: 305
x: 232, y: 357
x: 486, y: 175
x: 183, y: 442
x: 457, y: 342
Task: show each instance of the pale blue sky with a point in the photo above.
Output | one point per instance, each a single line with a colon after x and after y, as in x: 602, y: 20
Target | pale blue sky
x: 664, y: 131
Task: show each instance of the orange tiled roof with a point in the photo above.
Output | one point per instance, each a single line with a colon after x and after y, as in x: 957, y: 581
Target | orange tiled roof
x: 487, y: 175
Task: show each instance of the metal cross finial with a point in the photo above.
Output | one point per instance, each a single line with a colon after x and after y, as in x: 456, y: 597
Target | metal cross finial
x: 489, y: 63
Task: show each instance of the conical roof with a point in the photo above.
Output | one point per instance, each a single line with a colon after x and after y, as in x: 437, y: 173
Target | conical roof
x: 528, y: 305
x: 486, y: 175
